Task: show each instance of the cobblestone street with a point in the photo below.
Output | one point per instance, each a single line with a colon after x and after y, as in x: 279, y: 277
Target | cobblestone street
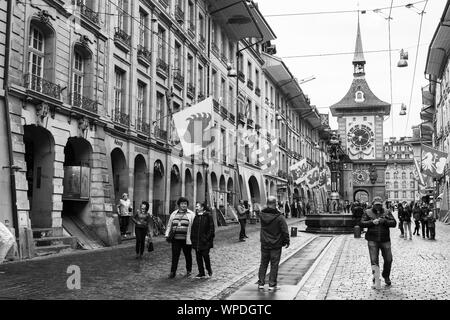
x: 420, y: 270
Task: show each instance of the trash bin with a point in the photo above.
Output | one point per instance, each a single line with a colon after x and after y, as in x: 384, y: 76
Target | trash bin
x: 293, y: 231
x: 357, y: 231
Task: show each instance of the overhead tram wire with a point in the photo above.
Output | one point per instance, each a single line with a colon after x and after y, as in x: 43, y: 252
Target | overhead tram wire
x: 415, y: 66
x: 337, y: 12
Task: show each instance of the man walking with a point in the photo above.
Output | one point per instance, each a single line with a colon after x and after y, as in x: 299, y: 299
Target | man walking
x: 377, y: 220
x: 274, y: 235
x: 242, y: 216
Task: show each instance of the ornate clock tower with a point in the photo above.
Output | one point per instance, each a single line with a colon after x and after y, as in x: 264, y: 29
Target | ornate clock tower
x: 360, y: 119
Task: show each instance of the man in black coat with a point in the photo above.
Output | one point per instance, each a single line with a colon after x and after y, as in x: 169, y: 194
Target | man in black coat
x: 377, y: 220
x: 202, y: 237
x: 274, y: 235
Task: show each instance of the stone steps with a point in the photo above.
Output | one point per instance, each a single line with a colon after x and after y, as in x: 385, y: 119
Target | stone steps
x: 52, y: 249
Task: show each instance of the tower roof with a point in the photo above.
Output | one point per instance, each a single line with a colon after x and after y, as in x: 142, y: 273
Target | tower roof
x: 359, y: 54
x: 359, y: 97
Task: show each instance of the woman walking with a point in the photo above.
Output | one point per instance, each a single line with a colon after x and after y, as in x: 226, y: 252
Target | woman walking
x: 178, y: 232
x: 407, y: 222
x: 142, y: 221
x: 202, y: 236
x: 416, y: 216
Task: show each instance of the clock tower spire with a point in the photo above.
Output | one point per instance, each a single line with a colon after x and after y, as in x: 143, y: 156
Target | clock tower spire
x: 358, y: 58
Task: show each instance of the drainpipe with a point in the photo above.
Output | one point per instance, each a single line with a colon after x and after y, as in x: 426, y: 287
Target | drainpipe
x: 12, y: 167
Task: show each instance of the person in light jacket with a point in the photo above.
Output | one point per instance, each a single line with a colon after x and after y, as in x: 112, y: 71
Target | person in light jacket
x: 180, y: 223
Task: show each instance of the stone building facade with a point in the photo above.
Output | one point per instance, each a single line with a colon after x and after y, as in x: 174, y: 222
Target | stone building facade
x: 92, y: 89
x: 401, y: 173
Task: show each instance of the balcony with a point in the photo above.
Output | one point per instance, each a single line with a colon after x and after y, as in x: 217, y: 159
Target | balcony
x: 122, y: 39
x: 202, y: 41
x: 160, y: 134
x: 232, y: 117
x: 84, y: 103
x: 42, y: 86
x: 224, y: 112
x: 266, y: 101
x: 268, y: 136
x: 224, y: 159
x: 178, y: 80
x: 250, y: 84
x: 241, y: 76
x: 87, y: 12
x: 241, y: 117
x: 215, y: 49
x: 249, y: 123
x: 179, y: 14
x: 121, y: 118
x: 143, y: 126
x: 162, y: 68
x: 258, y: 91
x: 144, y: 56
x: 257, y: 126
x: 216, y: 105
x: 190, y: 90
x: 191, y: 30
x: 164, y: 3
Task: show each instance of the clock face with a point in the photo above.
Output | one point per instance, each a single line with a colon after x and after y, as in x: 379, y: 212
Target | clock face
x: 361, y: 137
x: 360, y: 176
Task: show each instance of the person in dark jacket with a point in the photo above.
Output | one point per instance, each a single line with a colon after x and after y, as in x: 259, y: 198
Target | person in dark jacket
x: 142, y: 224
x: 377, y: 220
x: 423, y: 220
x: 400, y: 212
x: 242, y: 217
x: 274, y: 235
x: 416, y: 216
x: 202, y: 236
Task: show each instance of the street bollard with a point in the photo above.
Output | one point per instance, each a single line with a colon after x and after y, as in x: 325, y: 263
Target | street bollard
x: 357, y: 231
x: 293, y: 231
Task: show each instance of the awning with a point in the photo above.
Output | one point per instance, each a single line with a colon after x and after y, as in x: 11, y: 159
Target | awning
x: 280, y: 74
x: 240, y: 19
x: 439, y: 49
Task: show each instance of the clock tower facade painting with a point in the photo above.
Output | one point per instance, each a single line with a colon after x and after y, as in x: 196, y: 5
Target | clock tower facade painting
x: 360, y: 127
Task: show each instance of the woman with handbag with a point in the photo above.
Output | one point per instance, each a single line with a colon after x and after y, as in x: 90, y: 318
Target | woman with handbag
x: 178, y: 232
x: 142, y: 220
x: 202, y: 236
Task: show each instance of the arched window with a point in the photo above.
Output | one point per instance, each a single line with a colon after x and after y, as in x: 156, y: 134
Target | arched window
x: 395, y: 175
x: 82, y: 78
x: 411, y: 175
x: 403, y: 175
x: 40, y: 75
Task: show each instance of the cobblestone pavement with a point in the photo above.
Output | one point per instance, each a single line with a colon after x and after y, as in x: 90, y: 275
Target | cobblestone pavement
x: 114, y: 273
x: 420, y: 270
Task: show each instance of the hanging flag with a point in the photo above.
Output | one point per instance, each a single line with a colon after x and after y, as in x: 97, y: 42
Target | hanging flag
x: 312, y: 177
x: 433, y: 162
x: 325, y: 178
x: 267, y: 152
x: 418, y: 174
x: 194, y: 126
x: 299, y: 171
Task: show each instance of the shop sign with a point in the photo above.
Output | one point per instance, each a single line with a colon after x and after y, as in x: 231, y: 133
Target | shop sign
x: 118, y: 142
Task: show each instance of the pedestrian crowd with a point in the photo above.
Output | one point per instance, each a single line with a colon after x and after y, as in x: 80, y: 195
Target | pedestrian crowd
x: 187, y: 230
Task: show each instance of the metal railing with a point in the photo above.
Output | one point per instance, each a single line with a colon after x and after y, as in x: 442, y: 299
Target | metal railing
x: 87, y: 12
x: 165, y: 3
x: 42, y: 85
x: 83, y: 102
x: 144, y: 53
x: 179, y: 14
x: 250, y: 84
x: 121, y: 117
x: 202, y: 41
x: 142, y: 126
x: 241, y: 76
x: 215, y: 48
x: 178, y: 79
x: 190, y: 90
x: 162, y: 65
x: 160, y: 133
x: 121, y: 35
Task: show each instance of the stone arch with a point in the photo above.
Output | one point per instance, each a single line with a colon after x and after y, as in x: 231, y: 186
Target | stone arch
x: 189, y: 188
x: 230, y: 191
x: 175, y: 187
x: 254, y: 189
x: 40, y: 159
x: 141, y: 181
x: 222, y: 183
x: 120, y: 173
x: 200, y: 188
x: 158, y: 189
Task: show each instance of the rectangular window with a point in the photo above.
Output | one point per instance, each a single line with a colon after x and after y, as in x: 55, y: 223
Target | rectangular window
x: 214, y: 84
x: 224, y: 44
x: 118, y: 91
x: 231, y: 52
x: 177, y: 57
x: 191, y: 16
x: 140, y: 102
x: 190, y: 69
x: 143, y: 27
x: 161, y: 43
x: 230, y: 99
x: 223, y: 95
x: 78, y: 74
x: 256, y: 78
x: 201, y: 25
x: 160, y: 110
x: 36, y: 55
x: 249, y: 71
x: 121, y: 10
x: 200, y: 77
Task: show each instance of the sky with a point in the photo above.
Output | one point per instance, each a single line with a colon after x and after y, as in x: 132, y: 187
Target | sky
x: 315, y: 34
